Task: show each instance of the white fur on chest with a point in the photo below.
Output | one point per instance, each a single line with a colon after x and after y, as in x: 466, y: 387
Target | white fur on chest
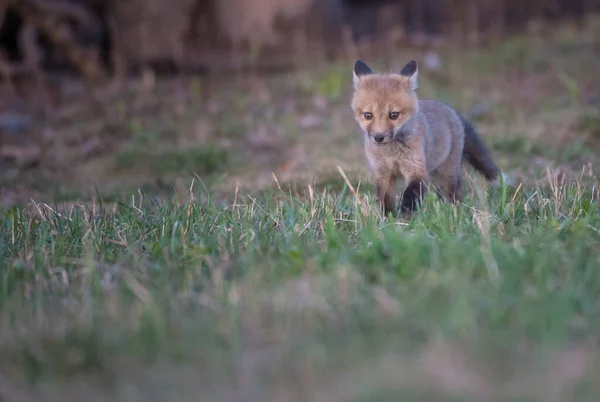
x: 386, y: 159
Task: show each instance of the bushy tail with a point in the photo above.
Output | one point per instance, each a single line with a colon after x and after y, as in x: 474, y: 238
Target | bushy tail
x: 477, y: 154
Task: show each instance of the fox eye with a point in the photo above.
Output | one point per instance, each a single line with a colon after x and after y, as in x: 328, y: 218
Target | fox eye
x: 368, y: 115
x: 394, y: 115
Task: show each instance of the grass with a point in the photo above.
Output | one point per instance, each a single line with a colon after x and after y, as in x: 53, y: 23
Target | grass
x: 279, y: 298
x: 205, y: 160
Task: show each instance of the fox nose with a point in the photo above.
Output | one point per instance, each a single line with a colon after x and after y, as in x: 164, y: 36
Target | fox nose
x: 379, y: 137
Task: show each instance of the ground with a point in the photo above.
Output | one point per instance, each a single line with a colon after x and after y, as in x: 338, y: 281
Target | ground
x: 218, y: 240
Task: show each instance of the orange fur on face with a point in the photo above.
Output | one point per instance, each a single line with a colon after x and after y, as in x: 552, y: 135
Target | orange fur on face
x: 381, y: 95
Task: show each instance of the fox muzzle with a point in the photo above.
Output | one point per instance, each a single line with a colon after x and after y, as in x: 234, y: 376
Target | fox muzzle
x: 379, y: 138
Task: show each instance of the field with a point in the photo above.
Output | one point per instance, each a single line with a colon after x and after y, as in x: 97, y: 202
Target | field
x: 225, y: 245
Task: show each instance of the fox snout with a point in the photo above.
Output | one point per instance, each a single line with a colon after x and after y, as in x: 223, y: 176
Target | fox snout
x: 379, y: 137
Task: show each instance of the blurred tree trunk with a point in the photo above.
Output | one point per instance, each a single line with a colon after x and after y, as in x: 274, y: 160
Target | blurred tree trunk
x: 149, y: 31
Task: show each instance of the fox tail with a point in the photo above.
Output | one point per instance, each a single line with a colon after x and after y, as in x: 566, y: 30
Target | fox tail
x: 476, y: 153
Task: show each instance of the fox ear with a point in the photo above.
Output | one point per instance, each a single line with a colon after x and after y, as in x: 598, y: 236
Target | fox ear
x: 360, y: 68
x: 411, y: 70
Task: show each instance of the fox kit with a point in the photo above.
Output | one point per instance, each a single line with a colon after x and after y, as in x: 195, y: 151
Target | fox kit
x: 421, y: 141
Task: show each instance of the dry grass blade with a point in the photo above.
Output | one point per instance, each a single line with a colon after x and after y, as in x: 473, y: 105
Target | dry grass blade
x: 39, y: 210
x: 359, y: 202
x: 56, y: 213
x: 482, y: 220
x: 512, y: 201
x: 280, y: 190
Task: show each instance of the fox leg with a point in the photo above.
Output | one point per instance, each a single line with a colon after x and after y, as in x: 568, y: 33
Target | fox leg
x: 416, y: 179
x: 413, y: 194
x: 455, y: 191
x: 386, y: 194
x: 448, y: 179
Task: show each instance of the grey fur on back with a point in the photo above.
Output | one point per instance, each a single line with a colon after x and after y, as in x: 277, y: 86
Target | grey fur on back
x: 441, y: 117
x: 444, y: 131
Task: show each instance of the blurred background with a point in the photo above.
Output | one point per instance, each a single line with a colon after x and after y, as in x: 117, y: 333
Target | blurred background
x: 296, y: 296
x: 112, y: 96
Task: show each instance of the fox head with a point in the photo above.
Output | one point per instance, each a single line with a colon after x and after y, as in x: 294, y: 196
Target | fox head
x: 384, y: 103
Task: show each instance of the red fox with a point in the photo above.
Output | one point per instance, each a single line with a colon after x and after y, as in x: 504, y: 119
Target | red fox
x: 421, y: 141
